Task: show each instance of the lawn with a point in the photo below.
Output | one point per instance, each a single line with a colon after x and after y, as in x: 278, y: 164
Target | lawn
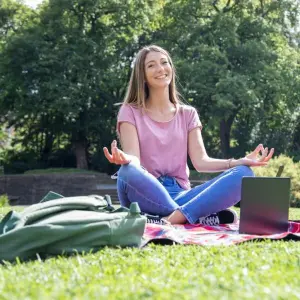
x: 253, y: 270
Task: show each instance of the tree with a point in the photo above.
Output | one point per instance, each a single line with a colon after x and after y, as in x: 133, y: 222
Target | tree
x: 71, y: 68
x: 231, y: 64
x: 67, y: 64
x: 13, y: 17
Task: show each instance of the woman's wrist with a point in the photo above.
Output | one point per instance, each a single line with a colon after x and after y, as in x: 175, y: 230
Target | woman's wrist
x: 231, y: 163
x: 133, y: 159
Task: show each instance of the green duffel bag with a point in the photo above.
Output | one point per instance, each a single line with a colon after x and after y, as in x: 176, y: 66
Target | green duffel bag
x: 69, y: 225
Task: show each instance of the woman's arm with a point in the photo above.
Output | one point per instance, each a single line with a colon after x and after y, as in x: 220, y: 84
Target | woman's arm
x: 200, y: 160
x: 203, y: 163
x: 130, y: 145
x: 130, y: 141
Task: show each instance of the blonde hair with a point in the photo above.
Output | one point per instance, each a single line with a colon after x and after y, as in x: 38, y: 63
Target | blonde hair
x: 137, y: 90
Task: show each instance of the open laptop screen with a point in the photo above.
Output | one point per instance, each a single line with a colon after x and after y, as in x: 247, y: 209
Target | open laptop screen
x: 264, y: 205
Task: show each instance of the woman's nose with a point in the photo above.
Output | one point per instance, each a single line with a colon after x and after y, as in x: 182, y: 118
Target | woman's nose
x: 160, y: 68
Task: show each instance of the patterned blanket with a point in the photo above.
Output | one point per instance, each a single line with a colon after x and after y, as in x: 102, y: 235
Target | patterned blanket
x: 210, y: 235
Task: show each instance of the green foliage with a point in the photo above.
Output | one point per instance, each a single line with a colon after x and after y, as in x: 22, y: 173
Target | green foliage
x: 63, y: 66
x: 13, y: 16
x: 4, y: 201
x: 3, y: 137
x: 240, y: 70
x: 291, y: 169
x: 70, y: 67
x: 17, y: 161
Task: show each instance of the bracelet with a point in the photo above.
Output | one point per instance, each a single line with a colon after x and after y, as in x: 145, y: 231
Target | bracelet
x: 229, y: 162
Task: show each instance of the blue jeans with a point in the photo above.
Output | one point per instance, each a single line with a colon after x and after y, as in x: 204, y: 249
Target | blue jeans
x: 161, y: 196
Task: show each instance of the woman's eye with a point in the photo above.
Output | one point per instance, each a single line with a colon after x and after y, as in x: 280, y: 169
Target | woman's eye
x: 149, y: 66
x: 165, y: 62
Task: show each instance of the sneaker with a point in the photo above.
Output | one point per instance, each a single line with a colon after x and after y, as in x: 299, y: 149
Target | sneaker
x: 226, y: 216
x: 156, y: 220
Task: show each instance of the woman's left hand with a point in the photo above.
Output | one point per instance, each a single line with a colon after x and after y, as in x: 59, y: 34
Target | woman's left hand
x: 254, y: 159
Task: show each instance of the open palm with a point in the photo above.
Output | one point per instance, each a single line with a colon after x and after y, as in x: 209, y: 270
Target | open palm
x: 259, y: 157
x: 116, y: 156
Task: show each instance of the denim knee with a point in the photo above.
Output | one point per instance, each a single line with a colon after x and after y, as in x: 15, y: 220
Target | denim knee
x: 129, y: 170
x: 244, y: 171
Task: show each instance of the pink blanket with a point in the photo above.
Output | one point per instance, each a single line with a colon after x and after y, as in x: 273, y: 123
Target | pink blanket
x: 210, y: 235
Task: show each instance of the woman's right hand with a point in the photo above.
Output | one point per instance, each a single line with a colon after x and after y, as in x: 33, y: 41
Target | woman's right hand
x: 117, y: 156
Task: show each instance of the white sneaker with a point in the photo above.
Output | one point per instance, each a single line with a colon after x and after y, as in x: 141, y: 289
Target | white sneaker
x: 226, y: 216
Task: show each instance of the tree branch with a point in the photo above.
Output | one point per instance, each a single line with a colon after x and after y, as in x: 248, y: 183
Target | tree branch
x: 272, y: 6
x: 261, y: 5
x: 228, y: 3
x: 214, y: 4
x: 228, y: 7
x: 197, y: 17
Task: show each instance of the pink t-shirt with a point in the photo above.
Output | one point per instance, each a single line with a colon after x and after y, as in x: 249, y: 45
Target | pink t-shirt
x: 163, y: 145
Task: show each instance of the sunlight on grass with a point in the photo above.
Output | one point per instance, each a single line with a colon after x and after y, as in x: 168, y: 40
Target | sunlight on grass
x: 252, y: 270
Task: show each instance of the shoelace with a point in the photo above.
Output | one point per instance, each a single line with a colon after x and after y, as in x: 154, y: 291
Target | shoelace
x: 154, y: 221
x: 211, y: 220
x: 157, y: 221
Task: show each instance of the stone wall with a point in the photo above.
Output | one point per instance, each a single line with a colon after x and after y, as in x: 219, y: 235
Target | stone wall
x: 30, y: 189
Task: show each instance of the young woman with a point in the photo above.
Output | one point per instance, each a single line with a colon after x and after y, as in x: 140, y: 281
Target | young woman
x: 157, y: 133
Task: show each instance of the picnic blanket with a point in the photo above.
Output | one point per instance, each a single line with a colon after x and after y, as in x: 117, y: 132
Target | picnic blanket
x: 210, y: 235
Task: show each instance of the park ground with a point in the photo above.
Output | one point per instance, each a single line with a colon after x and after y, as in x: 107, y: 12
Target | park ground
x: 252, y: 270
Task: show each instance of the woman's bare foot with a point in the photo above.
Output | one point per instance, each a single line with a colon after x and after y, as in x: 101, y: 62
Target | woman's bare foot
x: 176, y: 217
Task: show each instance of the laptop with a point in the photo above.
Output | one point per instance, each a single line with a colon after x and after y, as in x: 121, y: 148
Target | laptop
x: 264, y: 207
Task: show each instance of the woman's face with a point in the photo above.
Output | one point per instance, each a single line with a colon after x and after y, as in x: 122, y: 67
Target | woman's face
x: 158, y: 71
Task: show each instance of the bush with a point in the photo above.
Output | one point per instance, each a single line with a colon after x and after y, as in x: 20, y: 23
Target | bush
x: 291, y: 169
x: 16, y: 162
x: 3, y: 201
x: 100, y: 163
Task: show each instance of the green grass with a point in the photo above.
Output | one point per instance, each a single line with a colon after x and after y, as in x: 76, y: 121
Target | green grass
x: 252, y: 270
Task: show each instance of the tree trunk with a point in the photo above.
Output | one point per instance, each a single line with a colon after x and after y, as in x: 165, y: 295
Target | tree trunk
x: 225, y: 138
x: 47, y: 148
x: 225, y: 128
x: 80, y: 142
x: 81, y: 154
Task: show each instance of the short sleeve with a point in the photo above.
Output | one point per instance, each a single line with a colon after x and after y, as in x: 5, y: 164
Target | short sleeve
x: 194, y: 120
x: 125, y: 115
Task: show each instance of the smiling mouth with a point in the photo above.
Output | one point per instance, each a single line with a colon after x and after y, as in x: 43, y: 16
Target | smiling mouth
x: 161, y: 77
